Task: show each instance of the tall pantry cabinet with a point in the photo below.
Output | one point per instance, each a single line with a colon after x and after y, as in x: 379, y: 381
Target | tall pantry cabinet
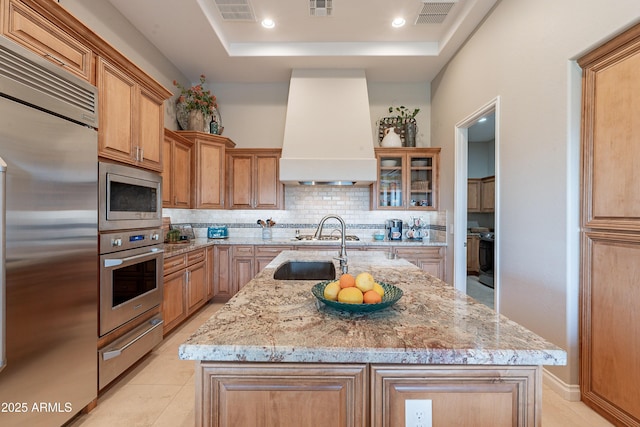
x: 610, y: 232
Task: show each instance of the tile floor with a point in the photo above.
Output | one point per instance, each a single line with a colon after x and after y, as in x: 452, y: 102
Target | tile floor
x: 159, y: 392
x: 479, y: 291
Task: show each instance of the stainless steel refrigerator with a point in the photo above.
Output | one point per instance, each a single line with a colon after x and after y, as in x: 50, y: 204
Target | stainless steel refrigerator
x: 49, y: 269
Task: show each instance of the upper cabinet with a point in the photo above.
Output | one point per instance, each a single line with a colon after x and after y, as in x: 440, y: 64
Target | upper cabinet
x: 481, y: 194
x: 207, y: 169
x: 25, y: 26
x: 176, y: 173
x: 131, y: 119
x: 130, y: 102
x: 253, y: 179
x: 407, y: 179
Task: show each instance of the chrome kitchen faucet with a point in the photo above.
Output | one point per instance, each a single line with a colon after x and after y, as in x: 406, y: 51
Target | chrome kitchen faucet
x: 342, y: 257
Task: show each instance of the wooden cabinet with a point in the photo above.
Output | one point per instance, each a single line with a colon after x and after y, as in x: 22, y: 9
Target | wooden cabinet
x: 25, y: 26
x: 474, y: 194
x: 429, y: 259
x: 610, y: 222
x: 174, y: 307
x: 236, y: 265
x: 185, y: 287
x: 359, y: 395
x: 253, y: 179
x: 176, y: 174
x: 460, y: 396
x: 488, y: 199
x: 264, y: 254
x: 287, y: 394
x: 243, y: 266
x: 131, y: 118
x: 481, y: 194
x: 210, y: 254
x: 222, y: 273
x: 473, y: 254
x: 207, y: 169
x: 407, y: 179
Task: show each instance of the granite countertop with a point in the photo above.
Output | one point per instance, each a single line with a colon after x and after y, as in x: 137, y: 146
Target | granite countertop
x: 172, y: 249
x: 281, y: 321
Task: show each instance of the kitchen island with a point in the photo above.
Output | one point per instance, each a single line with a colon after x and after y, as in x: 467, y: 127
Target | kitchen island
x: 275, y: 351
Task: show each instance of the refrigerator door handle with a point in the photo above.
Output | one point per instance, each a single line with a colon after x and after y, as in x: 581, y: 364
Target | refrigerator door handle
x: 3, y: 273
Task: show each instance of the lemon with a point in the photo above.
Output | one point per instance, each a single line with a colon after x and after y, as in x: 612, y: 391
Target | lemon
x: 331, y: 291
x: 364, y: 282
x: 379, y: 289
x: 350, y: 295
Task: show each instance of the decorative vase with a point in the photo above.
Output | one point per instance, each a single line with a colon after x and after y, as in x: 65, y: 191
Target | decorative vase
x: 196, y: 120
x: 410, y: 129
x: 182, y: 115
x: 391, y: 138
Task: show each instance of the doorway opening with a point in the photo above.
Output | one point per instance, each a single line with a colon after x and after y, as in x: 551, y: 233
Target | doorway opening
x: 476, y: 247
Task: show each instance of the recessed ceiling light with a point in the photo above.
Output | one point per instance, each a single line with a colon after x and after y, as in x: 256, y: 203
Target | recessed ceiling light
x: 482, y: 120
x: 398, y: 22
x: 268, y: 23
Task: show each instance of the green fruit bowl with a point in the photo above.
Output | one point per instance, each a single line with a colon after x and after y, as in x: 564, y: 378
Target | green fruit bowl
x: 391, y: 295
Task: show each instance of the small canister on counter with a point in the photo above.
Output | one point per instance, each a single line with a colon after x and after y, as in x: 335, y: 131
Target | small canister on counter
x: 217, y: 232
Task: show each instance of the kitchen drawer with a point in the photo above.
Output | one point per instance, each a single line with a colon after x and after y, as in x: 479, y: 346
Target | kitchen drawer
x: 174, y: 264
x: 408, y: 253
x: 243, y: 250
x: 196, y: 256
x: 270, y: 250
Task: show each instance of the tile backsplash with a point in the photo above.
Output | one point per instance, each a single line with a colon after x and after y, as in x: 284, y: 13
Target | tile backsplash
x: 304, y: 208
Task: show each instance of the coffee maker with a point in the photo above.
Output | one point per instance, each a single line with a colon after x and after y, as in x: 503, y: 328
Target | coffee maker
x: 394, y: 229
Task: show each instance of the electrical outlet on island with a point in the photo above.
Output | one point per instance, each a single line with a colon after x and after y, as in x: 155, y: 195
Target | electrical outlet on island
x: 418, y: 413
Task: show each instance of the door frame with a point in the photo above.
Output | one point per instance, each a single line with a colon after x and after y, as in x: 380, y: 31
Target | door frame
x: 460, y: 198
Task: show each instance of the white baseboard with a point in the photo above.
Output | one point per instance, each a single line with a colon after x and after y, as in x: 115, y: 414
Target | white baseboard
x: 568, y: 392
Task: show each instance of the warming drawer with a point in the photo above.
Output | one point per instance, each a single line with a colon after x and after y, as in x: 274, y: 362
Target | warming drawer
x: 118, y: 356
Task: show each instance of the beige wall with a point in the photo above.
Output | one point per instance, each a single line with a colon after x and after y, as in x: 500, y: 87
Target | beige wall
x: 524, y: 53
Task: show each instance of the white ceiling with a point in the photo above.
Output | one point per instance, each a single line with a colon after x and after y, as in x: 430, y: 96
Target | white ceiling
x: 193, y: 35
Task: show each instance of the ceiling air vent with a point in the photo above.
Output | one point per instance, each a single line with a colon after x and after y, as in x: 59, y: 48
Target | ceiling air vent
x: 235, y: 10
x: 434, y: 12
x: 320, y: 7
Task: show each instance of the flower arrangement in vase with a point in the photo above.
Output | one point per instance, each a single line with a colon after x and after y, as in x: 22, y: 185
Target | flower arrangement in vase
x: 196, y: 107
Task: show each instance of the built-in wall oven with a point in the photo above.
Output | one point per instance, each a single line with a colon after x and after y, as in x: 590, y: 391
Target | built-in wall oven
x: 131, y: 267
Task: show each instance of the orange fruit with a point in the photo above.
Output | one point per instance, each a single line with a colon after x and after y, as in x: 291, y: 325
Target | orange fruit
x: 347, y: 280
x: 350, y: 295
x: 371, y: 297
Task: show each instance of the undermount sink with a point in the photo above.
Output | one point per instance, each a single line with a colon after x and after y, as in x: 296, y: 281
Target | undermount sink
x: 306, y: 270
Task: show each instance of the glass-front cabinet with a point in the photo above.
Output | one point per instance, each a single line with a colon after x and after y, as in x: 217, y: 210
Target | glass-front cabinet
x: 407, y: 179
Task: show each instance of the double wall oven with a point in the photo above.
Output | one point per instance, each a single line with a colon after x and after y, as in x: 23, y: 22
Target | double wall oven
x: 131, y: 266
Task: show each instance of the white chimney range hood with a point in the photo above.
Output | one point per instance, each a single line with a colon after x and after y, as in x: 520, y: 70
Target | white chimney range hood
x: 328, y: 137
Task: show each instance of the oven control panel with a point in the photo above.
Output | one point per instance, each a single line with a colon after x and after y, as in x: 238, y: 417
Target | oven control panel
x: 129, y: 239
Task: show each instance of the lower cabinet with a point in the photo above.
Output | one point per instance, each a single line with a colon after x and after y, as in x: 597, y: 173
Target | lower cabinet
x: 430, y: 259
x: 185, y: 287
x: 236, y: 265
x: 473, y: 254
x: 359, y: 395
x: 460, y: 396
x: 300, y: 395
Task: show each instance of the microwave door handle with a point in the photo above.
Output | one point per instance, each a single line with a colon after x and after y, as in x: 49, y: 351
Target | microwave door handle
x: 3, y: 273
x: 119, y: 261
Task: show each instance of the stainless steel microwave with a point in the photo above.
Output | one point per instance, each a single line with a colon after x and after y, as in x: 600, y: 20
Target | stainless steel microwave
x: 130, y: 198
